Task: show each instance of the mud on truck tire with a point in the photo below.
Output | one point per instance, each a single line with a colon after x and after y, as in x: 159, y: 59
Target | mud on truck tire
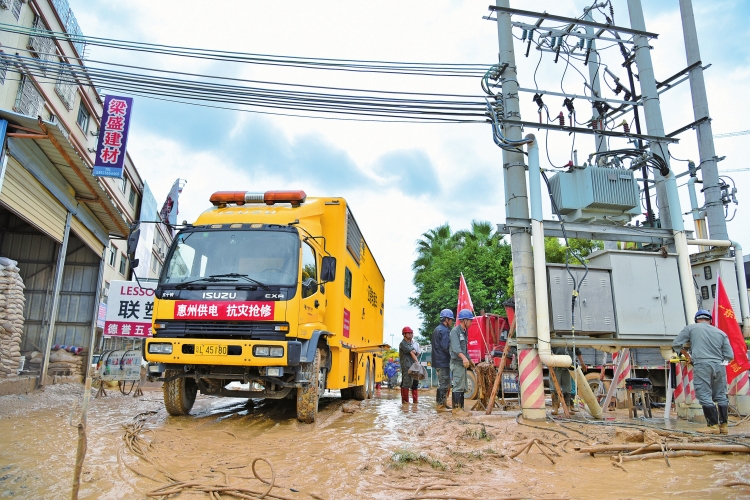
x: 179, y: 394
x: 309, y: 396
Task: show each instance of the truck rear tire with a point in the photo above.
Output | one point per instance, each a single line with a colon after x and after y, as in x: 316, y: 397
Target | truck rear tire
x: 471, y: 385
x: 179, y: 394
x: 362, y: 392
x: 309, y: 396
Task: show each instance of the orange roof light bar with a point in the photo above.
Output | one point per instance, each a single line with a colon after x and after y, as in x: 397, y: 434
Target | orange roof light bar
x: 294, y: 197
x: 222, y: 198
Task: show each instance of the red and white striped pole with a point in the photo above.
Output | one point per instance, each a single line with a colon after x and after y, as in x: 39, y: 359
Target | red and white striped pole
x: 689, y: 388
x: 742, y: 393
x: 532, y: 384
x: 622, y: 393
x: 679, y: 388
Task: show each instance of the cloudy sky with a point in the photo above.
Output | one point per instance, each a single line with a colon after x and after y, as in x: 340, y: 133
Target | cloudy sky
x: 401, y: 179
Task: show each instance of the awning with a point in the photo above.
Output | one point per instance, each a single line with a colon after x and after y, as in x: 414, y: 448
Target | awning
x: 53, y: 141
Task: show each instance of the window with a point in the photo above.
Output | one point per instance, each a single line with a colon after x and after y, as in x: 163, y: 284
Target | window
x: 83, y: 118
x: 3, y: 69
x: 124, y: 184
x: 112, y: 254
x: 123, y: 263
x: 66, y: 90
x: 28, y: 99
x: 353, y: 237
x: 16, y: 8
x: 309, y: 271
x: 105, y: 293
x: 707, y: 272
x: 348, y: 283
x: 704, y: 292
x: 132, y: 197
x: 155, y: 265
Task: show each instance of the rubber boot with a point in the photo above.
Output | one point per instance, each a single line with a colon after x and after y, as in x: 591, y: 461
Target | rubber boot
x: 458, y: 408
x: 712, y: 420
x: 723, y: 419
x: 555, y: 403
x: 441, y: 399
x: 448, y: 402
x: 462, y: 404
x: 404, y: 395
x: 569, y: 401
x: 415, y: 396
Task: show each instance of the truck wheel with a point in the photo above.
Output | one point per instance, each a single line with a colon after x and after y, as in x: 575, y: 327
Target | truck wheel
x: 471, y: 385
x: 372, y: 381
x: 598, y: 386
x: 179, y: 394
x: 361, y: 392
x: 308, y: 396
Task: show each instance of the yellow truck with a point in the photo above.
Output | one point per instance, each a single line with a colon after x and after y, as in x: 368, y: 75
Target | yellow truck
x: 275, y: 291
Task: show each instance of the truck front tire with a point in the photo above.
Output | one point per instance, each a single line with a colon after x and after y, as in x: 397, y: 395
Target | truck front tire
x: 362, y: 392
x: 179, y: 394
x: 309, y: 396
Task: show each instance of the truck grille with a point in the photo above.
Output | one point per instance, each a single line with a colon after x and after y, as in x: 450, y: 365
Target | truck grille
x: 210, y: 329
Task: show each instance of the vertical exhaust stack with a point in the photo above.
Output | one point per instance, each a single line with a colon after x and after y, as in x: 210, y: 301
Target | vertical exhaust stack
x: 540, y: 265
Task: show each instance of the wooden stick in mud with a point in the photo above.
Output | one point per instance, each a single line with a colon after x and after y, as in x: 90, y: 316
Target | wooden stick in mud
x: 560, y: 397
x: 499, y: 377
x: 660, y: 454
x: 82, y: 441
x: 721, y: 448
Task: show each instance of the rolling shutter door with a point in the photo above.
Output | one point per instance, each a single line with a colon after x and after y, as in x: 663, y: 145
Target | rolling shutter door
x: 25, y: 196
x: 86, y: 236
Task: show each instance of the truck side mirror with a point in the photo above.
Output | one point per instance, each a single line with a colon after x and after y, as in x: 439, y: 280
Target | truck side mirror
x: 328, y: 269
x: 135, y: 233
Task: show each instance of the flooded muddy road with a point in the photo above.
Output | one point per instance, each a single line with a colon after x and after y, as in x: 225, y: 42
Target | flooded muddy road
x: 374, y: 449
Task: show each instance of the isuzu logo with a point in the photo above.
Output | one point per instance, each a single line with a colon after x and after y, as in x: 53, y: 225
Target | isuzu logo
x: 274, y: 295
x: 219, y: 295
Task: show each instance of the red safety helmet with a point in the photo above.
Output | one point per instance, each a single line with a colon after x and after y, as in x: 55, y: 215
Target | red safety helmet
x: 406, y: 330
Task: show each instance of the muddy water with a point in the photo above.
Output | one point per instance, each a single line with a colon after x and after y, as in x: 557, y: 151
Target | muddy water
x: 345, y: 455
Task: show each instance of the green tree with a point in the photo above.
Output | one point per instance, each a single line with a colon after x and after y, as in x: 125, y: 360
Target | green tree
x: 478, y: 252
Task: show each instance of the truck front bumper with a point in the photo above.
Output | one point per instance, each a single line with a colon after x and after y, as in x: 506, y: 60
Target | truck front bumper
x: 182, y: 351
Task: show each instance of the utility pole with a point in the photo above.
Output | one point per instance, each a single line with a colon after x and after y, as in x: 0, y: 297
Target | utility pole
x: 666, y: 187
x: 717, y: 225
x: 517, y: 207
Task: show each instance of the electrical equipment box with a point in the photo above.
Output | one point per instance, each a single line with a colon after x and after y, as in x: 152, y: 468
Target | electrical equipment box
x: 594, y: 312
x: 706, y: 274
x: 596, y: 194
x: 647, y: 294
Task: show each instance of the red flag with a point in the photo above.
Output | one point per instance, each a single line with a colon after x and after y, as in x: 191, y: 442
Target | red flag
x: 725, y: 320
x: 464, y: 299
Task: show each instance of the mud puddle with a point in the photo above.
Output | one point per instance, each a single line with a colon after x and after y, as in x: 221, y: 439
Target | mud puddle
x: 374, y: 449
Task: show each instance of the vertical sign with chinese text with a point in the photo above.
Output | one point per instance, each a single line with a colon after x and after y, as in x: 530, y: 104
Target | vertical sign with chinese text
x: 129, y: 309
x: 113, y: 136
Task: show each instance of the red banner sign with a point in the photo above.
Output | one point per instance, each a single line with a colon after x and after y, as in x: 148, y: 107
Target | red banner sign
x: 237, y: 311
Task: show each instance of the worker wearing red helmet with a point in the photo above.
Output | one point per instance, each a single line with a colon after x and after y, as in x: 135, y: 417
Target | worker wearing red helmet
x: 407, y: 356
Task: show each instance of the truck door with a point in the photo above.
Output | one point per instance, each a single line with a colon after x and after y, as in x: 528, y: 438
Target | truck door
x: 312, y: 303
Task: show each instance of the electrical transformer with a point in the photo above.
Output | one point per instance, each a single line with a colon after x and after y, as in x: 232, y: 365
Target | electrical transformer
x: 596, y: 194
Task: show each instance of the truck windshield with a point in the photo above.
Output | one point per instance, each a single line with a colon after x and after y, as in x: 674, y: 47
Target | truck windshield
x: 266, y: 256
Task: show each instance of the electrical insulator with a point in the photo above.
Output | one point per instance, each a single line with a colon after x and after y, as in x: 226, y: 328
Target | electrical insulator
x: 593, y: 124
x: 625, y: 127
x: 581, y: 42
x: 559, y: 41
x: 523, y: 35
x: 531, y: 35
x: 561, y: 118
x: 612, y: 11
x: 589, y: 44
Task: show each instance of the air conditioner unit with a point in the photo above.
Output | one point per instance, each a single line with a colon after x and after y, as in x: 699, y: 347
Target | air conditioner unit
x: 596, y: 194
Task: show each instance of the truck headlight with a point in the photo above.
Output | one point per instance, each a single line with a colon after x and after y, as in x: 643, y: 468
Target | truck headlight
x: 276, y: 352
x: 261, y: 350
x: 160, y: 348
x: 274, y: 371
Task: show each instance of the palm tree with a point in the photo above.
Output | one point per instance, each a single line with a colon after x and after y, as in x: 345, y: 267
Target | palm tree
x: 481, y: 233
x: 431, y: 244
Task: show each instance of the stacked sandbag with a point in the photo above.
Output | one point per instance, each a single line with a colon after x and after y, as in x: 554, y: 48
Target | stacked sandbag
x: 61, y: 360
x: 11, y: 317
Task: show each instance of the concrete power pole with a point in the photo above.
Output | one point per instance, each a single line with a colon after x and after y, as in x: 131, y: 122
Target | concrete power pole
x: 666, y: 187
x: 717, y: 225
x: 517, y: 206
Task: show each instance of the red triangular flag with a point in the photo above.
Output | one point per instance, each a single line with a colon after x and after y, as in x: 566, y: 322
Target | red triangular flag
x: 464, y: 299
x: 725, y: 320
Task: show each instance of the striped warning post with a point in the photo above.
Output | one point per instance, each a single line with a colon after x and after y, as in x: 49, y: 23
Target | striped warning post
x: 532, y: 381
x: 742, y: 384
x: 625, y: 367
x: 679, y: 388
x: 688, y: 382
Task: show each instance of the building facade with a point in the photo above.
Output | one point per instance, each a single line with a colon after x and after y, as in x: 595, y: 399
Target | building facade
x: 64, y: 227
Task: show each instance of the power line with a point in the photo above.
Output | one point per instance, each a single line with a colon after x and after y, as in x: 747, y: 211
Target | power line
x: 731, y: 134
